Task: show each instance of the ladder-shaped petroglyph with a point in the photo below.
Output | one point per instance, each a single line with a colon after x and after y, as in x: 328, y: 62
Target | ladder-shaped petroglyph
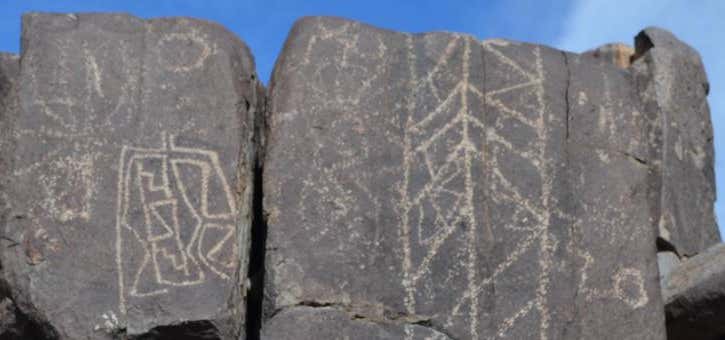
x: 175, y: 204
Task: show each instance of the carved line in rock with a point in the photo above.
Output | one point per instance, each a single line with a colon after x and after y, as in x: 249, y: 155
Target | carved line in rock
x: 185, y: 40
x: 153, y: 194
x: 454, y: 104
x: 465, y: 120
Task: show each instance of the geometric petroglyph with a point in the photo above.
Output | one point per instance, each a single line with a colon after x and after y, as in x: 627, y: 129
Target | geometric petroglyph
x: 464, y: 154
x: 179, y: 207
x: 184, y: 51
x: 627, y: 285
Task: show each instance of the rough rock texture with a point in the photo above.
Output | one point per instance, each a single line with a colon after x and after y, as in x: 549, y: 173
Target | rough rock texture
x: 618, y: 54
x: 673, y: 85
x: 694, y: 293
x: 479, y: 189
x: 426, y: 186
x: 131, y: 176
x: 666, y: 262
x: 10, y: 326
x: 9, y: 72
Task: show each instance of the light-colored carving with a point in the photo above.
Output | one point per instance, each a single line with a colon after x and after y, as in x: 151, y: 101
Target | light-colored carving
x: 188, y: 63
x: 175, y: 216
x: 455, y: 123
x: 627, y: 285
x: 460, y: 162
x: 70, y: 188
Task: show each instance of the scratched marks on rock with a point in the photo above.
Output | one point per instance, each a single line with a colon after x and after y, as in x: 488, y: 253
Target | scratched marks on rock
x: 460, y: 158
x: 451, y: 194
x: 176, y: 205
x: 440, y: 146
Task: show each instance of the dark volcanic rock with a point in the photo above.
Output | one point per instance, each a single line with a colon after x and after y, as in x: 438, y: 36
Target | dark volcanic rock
x: 694, y: 293
x: 673, y: 85
x: 9, y: 72
x: 482, y: 189
x: 131, y: 181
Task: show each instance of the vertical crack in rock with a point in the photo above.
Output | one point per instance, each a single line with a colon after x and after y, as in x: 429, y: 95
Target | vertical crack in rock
x: 256, y: 259
x: 566, y: 93
x: 257, y: 250
x: 485, y: 155
x: 570, y: 323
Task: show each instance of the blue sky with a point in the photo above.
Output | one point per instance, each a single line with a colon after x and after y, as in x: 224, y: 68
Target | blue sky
x: 570, y: 25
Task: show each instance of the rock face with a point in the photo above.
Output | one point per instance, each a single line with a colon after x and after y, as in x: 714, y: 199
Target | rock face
x: 9, y: 72
x: 131, y: 176
x: 473, y: 188
x: 694, y: 293
x: 388, y: 186
x: 673, y: 85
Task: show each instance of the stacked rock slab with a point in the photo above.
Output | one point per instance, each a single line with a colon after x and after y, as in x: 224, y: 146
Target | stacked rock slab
x: 694, y: 293
x: 131, y: 176
x: 434, y: 186
x: 672, y: 83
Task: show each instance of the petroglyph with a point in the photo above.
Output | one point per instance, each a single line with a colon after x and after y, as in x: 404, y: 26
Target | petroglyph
x: 460, y: 165
x: 184, y: 52
x: 165, y: 202
x: 455, y: 181
x: 70, y: 190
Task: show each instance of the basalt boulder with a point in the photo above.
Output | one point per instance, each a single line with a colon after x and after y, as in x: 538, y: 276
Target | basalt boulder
x: 480, y: 189
x: 131, y: 174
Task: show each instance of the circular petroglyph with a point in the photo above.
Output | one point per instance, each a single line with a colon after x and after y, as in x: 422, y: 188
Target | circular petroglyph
x: 629, y: 287
x: 183, y: 52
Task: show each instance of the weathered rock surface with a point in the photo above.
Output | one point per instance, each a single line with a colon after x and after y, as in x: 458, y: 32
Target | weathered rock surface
x: 9, y: 72
x: 416, y: 186
x: 694, y: 294
x: 480, y: 189
x: 131, y: 176
x: 673, y: 85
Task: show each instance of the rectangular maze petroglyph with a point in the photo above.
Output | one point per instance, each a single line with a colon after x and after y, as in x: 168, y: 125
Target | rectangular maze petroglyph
x: 177, y: 204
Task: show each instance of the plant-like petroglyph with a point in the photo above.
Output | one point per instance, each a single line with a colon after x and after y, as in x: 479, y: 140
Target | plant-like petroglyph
x: 176, y: 204
x: 420, y: 142
x: 453, y: 125
x: 473, y: 163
